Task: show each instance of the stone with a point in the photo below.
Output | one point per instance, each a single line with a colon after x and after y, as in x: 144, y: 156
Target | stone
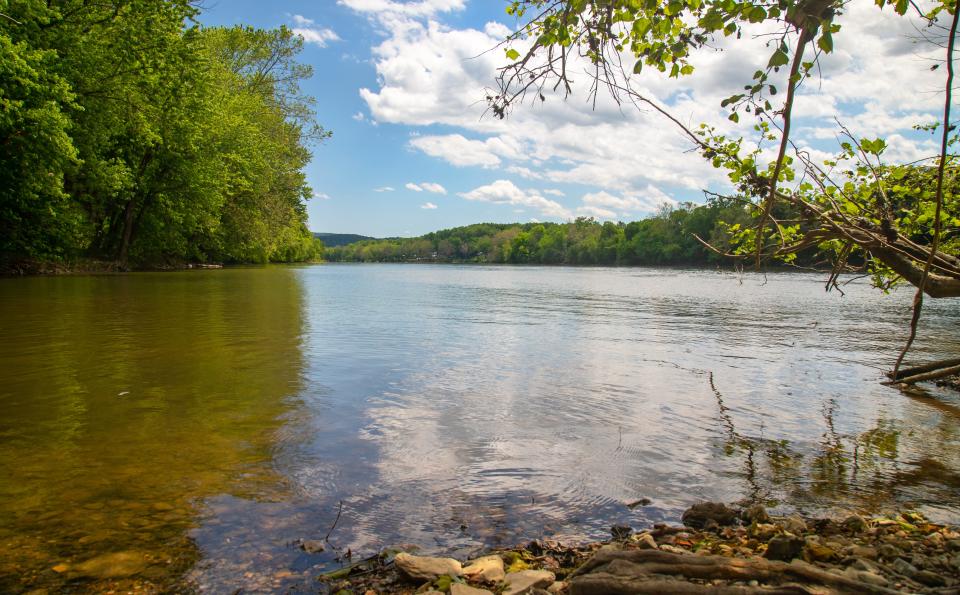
x: 930, y: 579
x: 935, y: 540
x: 646, y: 541
x: 312, y: 546
x: 864, y: 565
x: 425, y: 568
x: 673, y: 549
x: 794, y: 524
x: 888, y: 551
x: 763, y: 531
x: 522, y: 582
x: 903, y: 567
x: 463, y: 589
x: 815, y: 552
x: 698, y: 515
x: 863, y: 551
x: 488, y: 569
x: 115, y: 565
x: 621, y: 531
x: 784, y: 548
x: 865, y: 576
x: 855, y: 523
x: 557, y: 587
x: 755, y: 514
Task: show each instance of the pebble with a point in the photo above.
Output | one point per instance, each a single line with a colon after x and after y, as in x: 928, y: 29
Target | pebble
x: 755, y: 514
x: 784, y: 548
x: 930, y: 579
x: 424, y: 568
x: 646, y: 542
x: 855, y: 523
x: 487, y: 568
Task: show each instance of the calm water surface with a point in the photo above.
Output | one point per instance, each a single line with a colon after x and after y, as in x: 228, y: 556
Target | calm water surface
x: 184, y: 430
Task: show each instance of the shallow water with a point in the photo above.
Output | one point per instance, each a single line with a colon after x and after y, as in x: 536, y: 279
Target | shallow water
x: 184, y: 430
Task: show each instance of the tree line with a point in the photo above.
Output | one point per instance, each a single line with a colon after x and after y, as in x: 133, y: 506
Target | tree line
x: 129, y: 133
x: 667, y: 238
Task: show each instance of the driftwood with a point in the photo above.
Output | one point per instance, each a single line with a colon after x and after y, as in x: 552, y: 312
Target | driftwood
x: 931, y: 371
x: 650, y: 571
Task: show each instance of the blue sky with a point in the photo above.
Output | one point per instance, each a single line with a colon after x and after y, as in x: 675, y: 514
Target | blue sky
x: 401, y: 85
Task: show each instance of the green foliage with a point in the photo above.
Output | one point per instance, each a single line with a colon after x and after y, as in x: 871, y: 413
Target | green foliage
x: 668, y: 238
x: 129, y: 133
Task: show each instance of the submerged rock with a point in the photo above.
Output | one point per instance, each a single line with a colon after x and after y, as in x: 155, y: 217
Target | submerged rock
x: 115, y: 565
x: 698, y: 515
x: 755, y: 514
x: 424, y: 568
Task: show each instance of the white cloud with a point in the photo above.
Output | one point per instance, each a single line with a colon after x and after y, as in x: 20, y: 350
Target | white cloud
x: 321, y: 196
x: 458, y: 150
x: 554, y: 192
x: 506, y: 192
x: 876, y: 81
x: 597, y: 212
x: 428, y: 205
x: 433, y: 187
x: 311, y: 33
x: 646, y: 202
x: 359, y: 117
x: 426, y: 187
x: 384, y: 189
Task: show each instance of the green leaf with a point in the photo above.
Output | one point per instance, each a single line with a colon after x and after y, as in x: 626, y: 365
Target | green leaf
x: 779, y: 58
x: 513, y: 54
x: 638, y: 66
x: 825, y: 42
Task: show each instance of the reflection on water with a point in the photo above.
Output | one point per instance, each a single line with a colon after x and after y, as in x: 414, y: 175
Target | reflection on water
x: 201, y: 423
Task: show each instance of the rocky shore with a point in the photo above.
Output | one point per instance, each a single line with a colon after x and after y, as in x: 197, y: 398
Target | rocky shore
x: 718, y: 549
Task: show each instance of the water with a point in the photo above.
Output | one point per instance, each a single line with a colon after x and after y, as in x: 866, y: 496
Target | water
x: 182, y: 431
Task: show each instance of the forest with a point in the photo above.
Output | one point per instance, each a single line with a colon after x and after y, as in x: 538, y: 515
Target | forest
x: 667, y: 238
x: 132, y: 135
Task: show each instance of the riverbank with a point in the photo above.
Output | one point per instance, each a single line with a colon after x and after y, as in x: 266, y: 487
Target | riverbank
x: 718, y: 549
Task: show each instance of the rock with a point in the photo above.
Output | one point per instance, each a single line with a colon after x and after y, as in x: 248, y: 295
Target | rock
x: 526, y: 580
x: 865, y: 576
x: 646, y: 541
x: 888, y: 551
x: 763, y: 531
x: 488, y: 569
x: 425, y: 568
x: 698, y: 515
x: 784, y: 548
x: 863, y: 551
x: 935, y: 540
x: 673, y: 549
x: 640, y: 502
x: 557, y: 587
x: 115, y: 565
x: 864, y: 565
x: 755, y: 514
x: 794, y: 524
x: 903, y: 567
x: 621, y: 531
x: 930, y: 579
x: 60, y: 568
x: 855, y: 523
x: 815, y: 552
x: 462, y: 589
x: 312, y: 546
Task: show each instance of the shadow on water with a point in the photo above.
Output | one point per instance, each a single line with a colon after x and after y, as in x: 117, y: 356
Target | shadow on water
x: 129, y: 401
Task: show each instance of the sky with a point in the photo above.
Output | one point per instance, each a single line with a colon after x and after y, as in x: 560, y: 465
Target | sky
x: 414, y: 149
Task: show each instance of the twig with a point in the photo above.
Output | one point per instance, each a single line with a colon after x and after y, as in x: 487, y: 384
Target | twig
x: 335, y: 521
x: 937, y: 223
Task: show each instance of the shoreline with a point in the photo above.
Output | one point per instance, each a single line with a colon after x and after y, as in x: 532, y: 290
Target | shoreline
x: 718, y: 549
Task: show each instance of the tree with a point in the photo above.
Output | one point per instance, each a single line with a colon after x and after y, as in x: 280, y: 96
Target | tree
x: 900, y: 220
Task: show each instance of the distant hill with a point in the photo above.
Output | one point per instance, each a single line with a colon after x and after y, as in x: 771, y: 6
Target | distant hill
x: 331, y: 240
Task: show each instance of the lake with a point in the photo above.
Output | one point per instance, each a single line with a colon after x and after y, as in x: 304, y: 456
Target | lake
x: 182, y: 431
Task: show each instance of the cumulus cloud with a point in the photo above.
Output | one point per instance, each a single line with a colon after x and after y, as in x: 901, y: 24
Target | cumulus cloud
x: 311, y: 33
x: 321, y: 196
x: 651, y: 200
x: 505, y: 192
x: 426, y: 187
x: 433, y: 74
x: 428, y: 205
x: 384, y: 189
x: 554, y: 192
